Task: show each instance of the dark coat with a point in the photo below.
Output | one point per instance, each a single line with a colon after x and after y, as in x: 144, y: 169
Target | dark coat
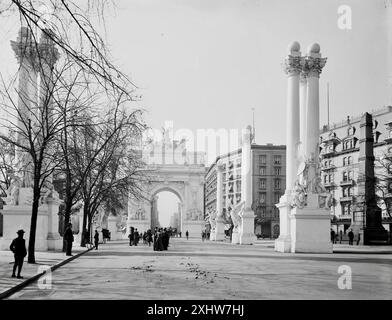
x: 96, y: 237
x: 18, y: 247
x: 68, y: 235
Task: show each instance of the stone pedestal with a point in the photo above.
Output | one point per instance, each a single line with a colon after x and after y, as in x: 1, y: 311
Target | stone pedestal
x: 283, y: 243
x: 19, y: 217
x: 55, y: 242
x: 112, y: 227
x: 235, y: 237
x: 310, y: 228
x: 248, y: 228
x: 219, y: 234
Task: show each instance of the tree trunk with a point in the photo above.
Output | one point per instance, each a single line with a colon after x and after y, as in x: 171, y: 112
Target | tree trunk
x: 33, y: 224
x: 84, y: 230
x: 67, y: 215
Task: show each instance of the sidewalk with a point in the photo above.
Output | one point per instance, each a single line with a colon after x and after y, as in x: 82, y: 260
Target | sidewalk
x: 47, y: 258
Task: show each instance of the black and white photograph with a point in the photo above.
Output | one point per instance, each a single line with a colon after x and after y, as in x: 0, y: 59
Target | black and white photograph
x: 206, y: 153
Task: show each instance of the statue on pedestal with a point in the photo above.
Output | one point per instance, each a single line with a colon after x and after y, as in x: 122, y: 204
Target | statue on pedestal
x: 236, y: 216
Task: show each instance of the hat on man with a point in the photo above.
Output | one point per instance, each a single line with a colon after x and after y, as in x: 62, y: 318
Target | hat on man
x: 20, y: 231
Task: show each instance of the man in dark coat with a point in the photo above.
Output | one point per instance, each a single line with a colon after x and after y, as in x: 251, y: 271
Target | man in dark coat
x: 351, y: 237
x: 332, y: 236
x: 18, y: 247
x: 160, y: 241
x: 69, y: 238
x: 96, y: 239
x: 130, y: 236
x: 136, y: 237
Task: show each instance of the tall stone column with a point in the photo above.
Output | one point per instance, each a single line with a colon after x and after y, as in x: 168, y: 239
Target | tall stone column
x: 292, y: 67
x: 310, y: 218
x: 247, y: 230
x: 367, y: 217
x: 219, y: 233
x: 314, y: 63
x: 25, y: 50
x: 302, y: 111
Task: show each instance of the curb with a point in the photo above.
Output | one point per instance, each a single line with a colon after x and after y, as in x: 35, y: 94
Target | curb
x: 25, y: 283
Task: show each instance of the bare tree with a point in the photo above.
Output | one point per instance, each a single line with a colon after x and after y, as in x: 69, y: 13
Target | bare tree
x: 383, y: 182
x: 39, y: 124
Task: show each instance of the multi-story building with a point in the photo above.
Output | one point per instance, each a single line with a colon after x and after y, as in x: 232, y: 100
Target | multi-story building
x: 268, y: 185
x: 339, y: 163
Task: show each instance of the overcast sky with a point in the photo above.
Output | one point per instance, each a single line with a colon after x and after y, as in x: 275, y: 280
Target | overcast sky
x: 206, y: 63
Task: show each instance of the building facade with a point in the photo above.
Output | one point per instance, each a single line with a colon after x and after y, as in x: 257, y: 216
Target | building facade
x: 340, y: 172
x: 268, y: 185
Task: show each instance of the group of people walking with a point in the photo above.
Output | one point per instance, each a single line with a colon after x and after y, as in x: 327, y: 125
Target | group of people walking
x: 159, y: 238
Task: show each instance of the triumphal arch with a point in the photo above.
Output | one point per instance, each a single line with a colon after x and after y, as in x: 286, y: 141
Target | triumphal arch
x: 170, y: 167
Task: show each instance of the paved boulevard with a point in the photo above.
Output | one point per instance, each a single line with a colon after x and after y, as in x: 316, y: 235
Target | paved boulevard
x: 204, y: 270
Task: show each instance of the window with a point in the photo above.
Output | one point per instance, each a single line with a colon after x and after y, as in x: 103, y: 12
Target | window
x: 277, y: 197
x: 262, y: 184
x: 238, y: 163
x: 344, y: 161
x: 262, y: 171
x: 277, y: 184
x: 346, y: 209
x: 277, y: 159
x: 347, y: 192
x: 238, y: 174
x: 238, y: 186
x: 277, y: 171
x: 350, y: 160
x: 262, y: 197
x: 350, y: 175
x: 325, y: 178
x: 345, y: 176
x: 263, y: 159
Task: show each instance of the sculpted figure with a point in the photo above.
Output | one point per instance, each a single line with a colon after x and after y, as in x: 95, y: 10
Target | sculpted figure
x: 298, y: 195
x: 325, y: 197
x: 236, y: 216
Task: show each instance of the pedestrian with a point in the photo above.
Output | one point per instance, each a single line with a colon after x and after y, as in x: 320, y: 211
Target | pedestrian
x: 359, y: 239
x: 149, y: 237
x: 160, y: 240
x: 202, y: 236
x: 96, y: 239
x: 332, y: 236
x: 136, y: 237
x: 18, y: 247
x: 180, y: 233
x: 69, y: 238
x: 351, y: 237
x: 130, y: 236
x: 187, y: 234
x: 341, y: 236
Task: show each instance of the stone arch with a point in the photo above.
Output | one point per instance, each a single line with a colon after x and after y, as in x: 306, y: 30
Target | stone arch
x: 167, y: 187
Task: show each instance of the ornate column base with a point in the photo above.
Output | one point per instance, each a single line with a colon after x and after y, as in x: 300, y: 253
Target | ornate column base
x: 283, y: 243
x: 219, y: 234
x: 55, y: 241
x: 247, y: 235
x: 235, y: 238
x: 112, y: 227
x: 310, y: 228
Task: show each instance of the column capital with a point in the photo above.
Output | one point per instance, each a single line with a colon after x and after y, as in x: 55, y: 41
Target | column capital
x: 47, y: 49
x: 292, y: 65
x: 313, y: 66
x: 25, y: 49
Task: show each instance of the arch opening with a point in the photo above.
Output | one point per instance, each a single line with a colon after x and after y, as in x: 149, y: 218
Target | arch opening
x: 166, y: 209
